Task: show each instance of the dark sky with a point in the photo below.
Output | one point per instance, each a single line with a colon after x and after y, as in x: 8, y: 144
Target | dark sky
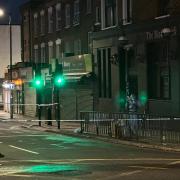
x: 11, y: 6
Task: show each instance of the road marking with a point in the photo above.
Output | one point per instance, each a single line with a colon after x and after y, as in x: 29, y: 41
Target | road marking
x: 1, y: 142
x: 148, y: 167
x: 129, y: 173
x: 174, y: 163
x: 117, y: 176
x: 33, y: 152
x: 28, y: 135
x: 90, y: 160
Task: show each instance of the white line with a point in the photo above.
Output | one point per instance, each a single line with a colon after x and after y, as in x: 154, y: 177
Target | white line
x: 1, y: 142
x: 148, y: 167
x: 24, y: 149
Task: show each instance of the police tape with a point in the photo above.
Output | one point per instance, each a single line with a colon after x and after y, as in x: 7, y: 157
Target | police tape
x: 52, y: 104
x: 91, y: 120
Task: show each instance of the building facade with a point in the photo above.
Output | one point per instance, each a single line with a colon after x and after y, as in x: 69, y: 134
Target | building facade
x: 60, y: 29
x: 136, y: 52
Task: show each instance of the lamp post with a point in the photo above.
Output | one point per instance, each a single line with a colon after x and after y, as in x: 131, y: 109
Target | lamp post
x: 10, y: 58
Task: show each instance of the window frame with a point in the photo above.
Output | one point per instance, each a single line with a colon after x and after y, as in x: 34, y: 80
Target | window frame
x: 127, y: 12
x: 76, y: 14
x: 67, y: 15
x: 50, y: 20
x: 58, y: 17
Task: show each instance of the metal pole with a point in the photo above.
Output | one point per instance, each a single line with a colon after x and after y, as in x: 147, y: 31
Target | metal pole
x: 127, y: 79
x: 10, y: 42
x: 58, y: 107
x: 39, y: 105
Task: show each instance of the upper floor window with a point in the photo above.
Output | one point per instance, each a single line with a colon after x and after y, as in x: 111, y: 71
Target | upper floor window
x: 36, y: 55
x: 58, y: 16
x: 98, y: 15
x: 108, y: 13
x: 76, y: 13
x: 43, y: 53
x: 50, y: 50
x: 35, y: 24
x: 127, y: 11
x: 42, y: 22
x: 50, y: 20
x: 58, y: 49
x: 163, y: 7
x: 67, y: 15
x: 77, y: 47
x: 89, y: 6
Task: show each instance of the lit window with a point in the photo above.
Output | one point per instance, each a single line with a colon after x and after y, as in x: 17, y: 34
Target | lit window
x: 68, y: 16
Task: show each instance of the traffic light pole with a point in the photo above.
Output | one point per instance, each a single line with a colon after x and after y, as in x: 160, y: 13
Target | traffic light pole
x: 39, y: 105
x: 58, y: 113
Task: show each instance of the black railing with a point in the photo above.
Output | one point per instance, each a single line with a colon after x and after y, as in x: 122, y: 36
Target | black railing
x: 141, y: 127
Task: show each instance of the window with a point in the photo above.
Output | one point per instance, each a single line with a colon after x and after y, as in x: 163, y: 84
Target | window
x: 127, y: 11
x: 50, y: 50
x: 43, y: 55
x: 50, y: 20
x: 108, y: 13
x: 36, y: 56
x: 158, y: 70
x: 98, y: 15
x: 104, y: 72
x: 58, y: 49
x: 35, y: 24
x: 77, y: 47
x: 42, y: 23
x: 68, y: 15
x: 89, y: 6
x: 58, y: 17
x: 76, y: 13
x: 163, y: 7
x: 68, y: 49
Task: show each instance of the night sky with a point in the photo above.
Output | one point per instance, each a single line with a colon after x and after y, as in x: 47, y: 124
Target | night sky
x: 11, y: 6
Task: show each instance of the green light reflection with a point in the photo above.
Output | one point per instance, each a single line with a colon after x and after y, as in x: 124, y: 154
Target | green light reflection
x: 50, y: 168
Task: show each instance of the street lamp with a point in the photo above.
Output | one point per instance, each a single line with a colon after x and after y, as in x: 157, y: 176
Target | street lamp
x: 10, y: 59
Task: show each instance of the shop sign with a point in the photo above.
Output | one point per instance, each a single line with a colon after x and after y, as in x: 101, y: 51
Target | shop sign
x: 157, y: 34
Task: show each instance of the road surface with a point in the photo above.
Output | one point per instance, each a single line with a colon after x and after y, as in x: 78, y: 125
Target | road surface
x: 32, y: 154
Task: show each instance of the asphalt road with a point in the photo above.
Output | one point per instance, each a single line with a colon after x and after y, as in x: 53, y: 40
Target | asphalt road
x: 36, y: 155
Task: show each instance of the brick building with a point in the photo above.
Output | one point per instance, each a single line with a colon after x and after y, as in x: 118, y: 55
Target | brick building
x: 60, y: 29
x: 136, y: 52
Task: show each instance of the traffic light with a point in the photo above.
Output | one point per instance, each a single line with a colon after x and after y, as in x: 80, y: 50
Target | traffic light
x: 143, y: 97
x: 37, y: 82
x: 122, y: 100
x: 59, y: 80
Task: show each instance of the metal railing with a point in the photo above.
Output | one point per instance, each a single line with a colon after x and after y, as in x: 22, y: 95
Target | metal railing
x: 140, y: 127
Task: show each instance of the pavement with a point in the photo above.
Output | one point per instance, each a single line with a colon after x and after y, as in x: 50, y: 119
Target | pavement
x: 71, y: 129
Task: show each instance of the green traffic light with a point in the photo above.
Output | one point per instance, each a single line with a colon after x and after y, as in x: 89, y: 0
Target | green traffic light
x: 59, y: 81
x: 38, y: 82
x: 143, y: 98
